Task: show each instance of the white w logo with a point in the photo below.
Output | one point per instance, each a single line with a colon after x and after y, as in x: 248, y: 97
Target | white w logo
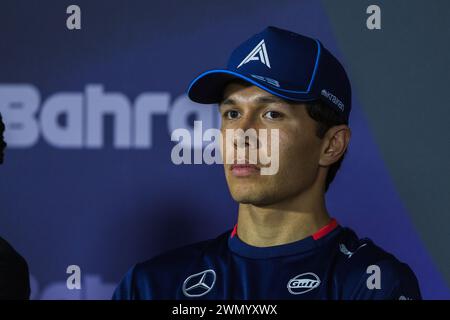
x: 258, y: 53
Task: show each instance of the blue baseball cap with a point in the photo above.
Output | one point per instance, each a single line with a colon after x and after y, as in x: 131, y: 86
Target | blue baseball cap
x: 283, y: 63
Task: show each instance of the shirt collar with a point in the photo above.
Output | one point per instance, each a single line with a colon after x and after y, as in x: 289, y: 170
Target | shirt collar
x: 318, y: 238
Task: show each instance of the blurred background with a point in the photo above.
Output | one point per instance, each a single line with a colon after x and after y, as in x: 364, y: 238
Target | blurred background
x: 88, y: 179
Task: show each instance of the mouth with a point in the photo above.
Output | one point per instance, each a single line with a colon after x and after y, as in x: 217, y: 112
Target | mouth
x: 244, y: 170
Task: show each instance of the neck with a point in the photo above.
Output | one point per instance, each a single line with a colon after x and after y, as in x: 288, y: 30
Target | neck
x: 284, y: 222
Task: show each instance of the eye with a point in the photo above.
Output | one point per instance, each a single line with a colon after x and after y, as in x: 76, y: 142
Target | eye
x: 231, y: 114
x: 273, y: 115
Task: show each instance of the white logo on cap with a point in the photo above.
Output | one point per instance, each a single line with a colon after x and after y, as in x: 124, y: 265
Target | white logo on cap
x: 333, y: 99
x: 258, y: 53
x: 266, y: 79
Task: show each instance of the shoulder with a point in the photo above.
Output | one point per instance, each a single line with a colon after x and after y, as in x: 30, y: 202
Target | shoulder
x: 14, y: 278
x: 10, y: 259
x: 365, y: 270
x: 184, y: 255
x: 163, y: 270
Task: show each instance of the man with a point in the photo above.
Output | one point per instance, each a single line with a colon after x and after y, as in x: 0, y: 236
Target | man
x: 284, y: 245
x: 14, y: 279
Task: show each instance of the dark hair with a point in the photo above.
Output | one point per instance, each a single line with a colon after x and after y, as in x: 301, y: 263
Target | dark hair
x: 326, y: 118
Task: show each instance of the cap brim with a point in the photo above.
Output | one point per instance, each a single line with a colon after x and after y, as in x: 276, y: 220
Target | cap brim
x: 208, y: 87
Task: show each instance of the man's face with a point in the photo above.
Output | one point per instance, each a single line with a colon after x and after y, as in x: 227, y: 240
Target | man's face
x: 247, y: 106
x: 2, y: 140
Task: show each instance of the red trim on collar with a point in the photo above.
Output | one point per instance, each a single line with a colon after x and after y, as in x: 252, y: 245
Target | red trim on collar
x: 325, y: 230
x: 322, y: 232
x: 234, y: 231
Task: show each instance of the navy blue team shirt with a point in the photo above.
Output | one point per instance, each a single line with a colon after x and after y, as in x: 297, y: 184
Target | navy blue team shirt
x: 333, y: 263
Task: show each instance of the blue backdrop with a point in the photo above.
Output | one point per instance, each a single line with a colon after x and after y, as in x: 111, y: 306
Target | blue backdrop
x: 99, y: 190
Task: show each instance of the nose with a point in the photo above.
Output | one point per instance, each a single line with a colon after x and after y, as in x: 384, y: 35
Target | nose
x: 248, y: 121
x: 246, y: 137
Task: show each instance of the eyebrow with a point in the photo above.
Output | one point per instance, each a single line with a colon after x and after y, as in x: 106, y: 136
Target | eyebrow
x: 258, y: 100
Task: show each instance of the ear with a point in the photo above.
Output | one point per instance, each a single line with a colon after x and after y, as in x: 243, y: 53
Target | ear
x: 334, y: 144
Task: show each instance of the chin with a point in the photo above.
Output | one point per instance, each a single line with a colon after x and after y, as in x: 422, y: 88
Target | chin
x: 250, y: 197
x: 249, y: 200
